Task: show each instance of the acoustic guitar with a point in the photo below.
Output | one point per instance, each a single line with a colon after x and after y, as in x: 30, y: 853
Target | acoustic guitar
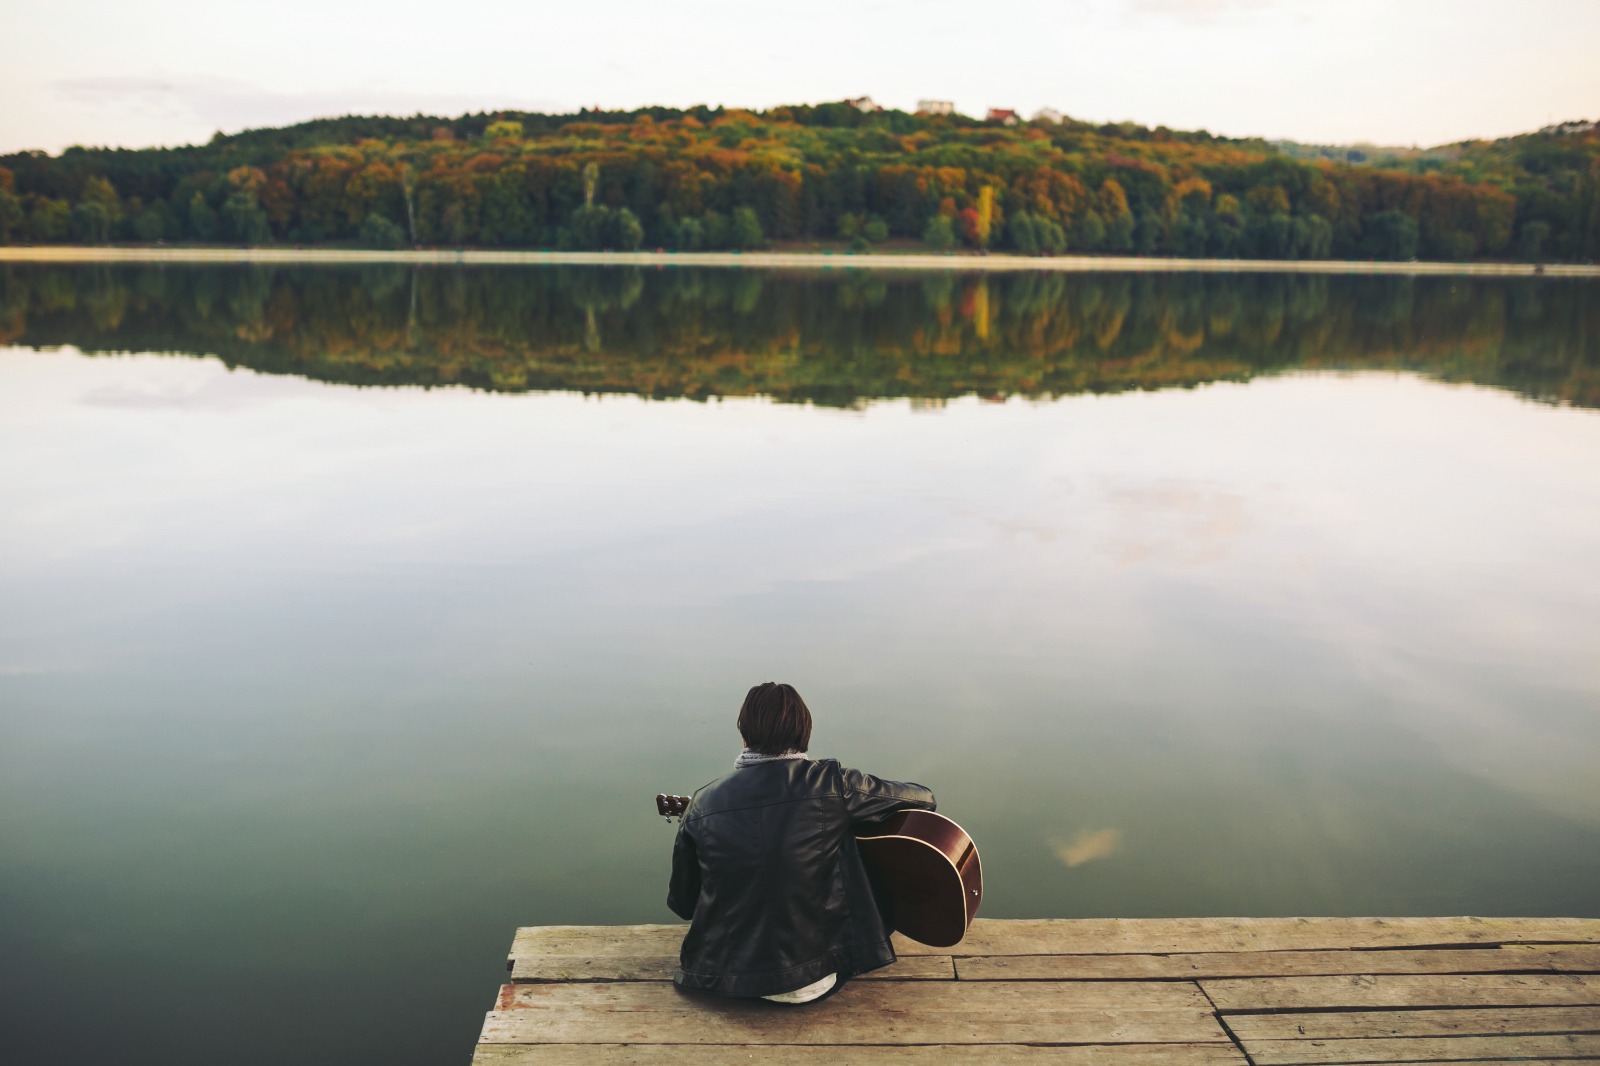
x: 924, y: 869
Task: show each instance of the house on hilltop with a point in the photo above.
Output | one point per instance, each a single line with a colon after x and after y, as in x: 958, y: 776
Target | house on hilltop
x: 1003, y: 115
x: 936, y: 107
x: 1047, y: 114
x: 864, y: 103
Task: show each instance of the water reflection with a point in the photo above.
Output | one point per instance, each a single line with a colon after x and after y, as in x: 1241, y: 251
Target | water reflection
x: 835, y: 338
x: 1088, y: 845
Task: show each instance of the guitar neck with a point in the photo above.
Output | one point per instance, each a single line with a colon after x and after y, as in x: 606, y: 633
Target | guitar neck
x: 670, y: 806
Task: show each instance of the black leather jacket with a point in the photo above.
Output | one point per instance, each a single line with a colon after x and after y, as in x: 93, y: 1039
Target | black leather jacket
x: 766, y: 868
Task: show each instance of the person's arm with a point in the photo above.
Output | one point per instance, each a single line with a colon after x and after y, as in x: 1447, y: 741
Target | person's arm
x: 872, y: 799
x: 683, y: 892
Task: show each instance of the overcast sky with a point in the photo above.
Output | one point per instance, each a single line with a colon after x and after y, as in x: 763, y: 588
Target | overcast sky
x: 121, y: 73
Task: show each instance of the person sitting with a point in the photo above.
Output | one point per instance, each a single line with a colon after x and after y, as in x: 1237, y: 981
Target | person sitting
x: 765, y: 865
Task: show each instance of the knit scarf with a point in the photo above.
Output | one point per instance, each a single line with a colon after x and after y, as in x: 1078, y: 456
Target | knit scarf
x: 755, y: 758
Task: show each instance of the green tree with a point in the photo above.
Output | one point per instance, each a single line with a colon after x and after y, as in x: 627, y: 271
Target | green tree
x: 244, y: 219
x: 103, y: 194
x: 1530, y: 241
x: 378, y: 231
x: 90, y: 223
x: 1091, y: 231
x: 746, y: 229
x: 48, y: 220
x: 11, y: 215
x: 714, y: 229
x: 1268, y: 236
x: 1391, y: 234
x: 1317, y: 242
x: 1458, y: 245
x: 96, y: 212
x: 1119, y: 233
x: 592, y: 227
x: 1225, y: 232
x: 1147, y: 233
x: 629, y: 233
x: 1188, y: 233
x: 202, y: 219
x: 686, y: 234
x: 939, y: 234
x: 151, y: 223
x: 1021, y: 235
x: 1051, y: 235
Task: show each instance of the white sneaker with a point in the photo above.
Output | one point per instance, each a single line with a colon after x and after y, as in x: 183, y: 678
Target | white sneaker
x: 815, y: 990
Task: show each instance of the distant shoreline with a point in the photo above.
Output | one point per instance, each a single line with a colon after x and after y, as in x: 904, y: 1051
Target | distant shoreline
x: 769, y: 260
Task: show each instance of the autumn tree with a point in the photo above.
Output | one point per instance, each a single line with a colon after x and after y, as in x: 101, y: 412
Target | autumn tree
x: 242, y: 215
x: 984, y: 222
x: 1118, y: 218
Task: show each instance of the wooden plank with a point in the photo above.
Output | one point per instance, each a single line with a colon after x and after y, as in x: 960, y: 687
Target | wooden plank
x: 1563, y: 959
x: 1099, y: 936
x: 598, y: 939
x: 1414, y: 1049
x: 869, y: 997
x: 1401, y: 990
x: 770, y: 1023
x: 1473, y: 1022
x: 915, y: 968
x: 860, y: 1055
x: 593, y: 967
x: 1188, y: 965
x: 662, y: 967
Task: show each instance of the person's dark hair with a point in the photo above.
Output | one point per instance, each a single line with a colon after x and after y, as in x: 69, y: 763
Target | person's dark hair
x: 774, y: 719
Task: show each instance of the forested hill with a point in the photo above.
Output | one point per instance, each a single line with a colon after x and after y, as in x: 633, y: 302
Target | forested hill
x: 723, y: 178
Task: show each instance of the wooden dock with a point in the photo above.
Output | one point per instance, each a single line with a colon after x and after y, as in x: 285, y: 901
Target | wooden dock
x: 1084, y: 992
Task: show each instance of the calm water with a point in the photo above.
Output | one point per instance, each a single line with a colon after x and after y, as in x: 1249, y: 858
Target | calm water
x: 1188, y: 596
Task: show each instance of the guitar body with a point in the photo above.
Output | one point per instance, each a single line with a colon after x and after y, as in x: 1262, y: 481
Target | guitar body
x: 926, y: 875
x: 924, y: 870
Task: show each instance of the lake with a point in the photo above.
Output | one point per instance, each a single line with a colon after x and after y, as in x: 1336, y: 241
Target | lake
x: 352, y: 617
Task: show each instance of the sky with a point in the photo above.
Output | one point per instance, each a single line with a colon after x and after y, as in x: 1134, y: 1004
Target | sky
x: 1398, y: 72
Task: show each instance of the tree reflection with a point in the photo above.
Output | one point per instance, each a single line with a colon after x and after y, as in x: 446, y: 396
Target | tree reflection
x: 832, y: 337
